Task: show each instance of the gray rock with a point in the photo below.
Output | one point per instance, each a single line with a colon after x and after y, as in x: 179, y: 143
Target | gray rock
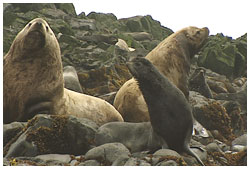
x: 71, y: 80
x: 140, y: 36
x: 132, y: 162
x: 136, y: 162
x: 120, y: 161
x: 222, y: 146
x: 242, y: 140
x: 167, y: 163
x: 166, y: 152
x: 213, y: 147
x: 73, y: 136
x: 63, y: 158
x: 11, y: 130
x: 90, y: 163
x: 74, y: 163
x: 22, y: 147
x: 107, y: 153
x: 238, y: 148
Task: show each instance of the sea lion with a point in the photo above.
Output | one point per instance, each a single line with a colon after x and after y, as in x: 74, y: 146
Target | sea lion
x: 172, y: 58
x: 71, y: 80
x: 33, y: 80
x: 170, y: 113
x: 136, y: 137
x: 198, y: 83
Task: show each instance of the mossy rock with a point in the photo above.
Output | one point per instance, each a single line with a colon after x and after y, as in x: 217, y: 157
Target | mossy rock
x: 104, y: 80
x: 224, y: 55
x: 9, y: 18
x: 218, y: 119
x: 68, y: 8
x: 60, y: 26
x: 25, y: 7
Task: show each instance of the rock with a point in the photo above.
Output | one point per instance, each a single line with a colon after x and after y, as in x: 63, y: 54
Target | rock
x: 223, y: 55
x: 240, y: 97
x: 213, y: 147
x: 136, y: 162
x: 135, y: 136
x: 71, y: 80
x: 90, y: 163
x: 211, y: 114
x: 11, y: 130
x: 140, y: 36
x: 166, y: 152
x: 122, y: 45
x: 120, y: 161
x: 238, y: 148
x: 242, y: 140
x: 48, y: 134
x: 63, y: 158
x: 74, y: 163
x: 167, y: 163
x: 107, y: 153
x: 147, y: 24
x: 237, y: 116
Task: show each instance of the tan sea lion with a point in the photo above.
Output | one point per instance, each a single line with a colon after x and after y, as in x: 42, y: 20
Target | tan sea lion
x: 172, y: 58
x: 33, y: 80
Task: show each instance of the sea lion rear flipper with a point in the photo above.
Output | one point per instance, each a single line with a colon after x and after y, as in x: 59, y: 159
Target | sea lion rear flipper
x: 190, y: 152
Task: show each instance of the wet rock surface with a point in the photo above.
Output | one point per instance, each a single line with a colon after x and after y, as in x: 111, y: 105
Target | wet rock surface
x: 88, y: 43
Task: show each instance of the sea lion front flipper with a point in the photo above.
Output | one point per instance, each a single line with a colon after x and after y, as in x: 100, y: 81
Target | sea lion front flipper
x: 38, y: 108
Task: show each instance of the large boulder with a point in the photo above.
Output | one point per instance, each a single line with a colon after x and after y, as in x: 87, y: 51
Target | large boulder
x: 225, y: 55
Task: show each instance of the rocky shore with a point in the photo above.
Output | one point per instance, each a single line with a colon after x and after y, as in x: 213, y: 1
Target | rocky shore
x: 98, y: 46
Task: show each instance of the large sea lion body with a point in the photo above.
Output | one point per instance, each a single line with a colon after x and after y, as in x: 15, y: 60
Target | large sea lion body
x: 93, y: 108
x: 32, y: 73
x: 71, y: 80
x: 33, y: 80
x: 170, y: 113
x: 172, y: 58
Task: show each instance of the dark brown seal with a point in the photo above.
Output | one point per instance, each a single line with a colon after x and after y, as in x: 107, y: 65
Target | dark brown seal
x: 32, y: 73
x: 170, y: 113
x: 172, y: 58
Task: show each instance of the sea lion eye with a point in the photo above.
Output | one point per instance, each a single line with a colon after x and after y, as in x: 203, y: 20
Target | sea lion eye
x: 29, y: 24
x: 47, y: 28
x: 138, y: 64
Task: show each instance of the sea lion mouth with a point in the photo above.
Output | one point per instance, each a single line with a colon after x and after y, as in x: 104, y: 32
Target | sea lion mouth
x: 34, y: 40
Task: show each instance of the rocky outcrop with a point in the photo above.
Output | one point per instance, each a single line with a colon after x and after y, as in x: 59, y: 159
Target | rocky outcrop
x: 225, y: 55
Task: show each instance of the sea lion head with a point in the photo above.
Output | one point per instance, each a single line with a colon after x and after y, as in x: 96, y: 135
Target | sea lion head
x: 196, y: 37
x: 33, y: 38
x: 143, y: 71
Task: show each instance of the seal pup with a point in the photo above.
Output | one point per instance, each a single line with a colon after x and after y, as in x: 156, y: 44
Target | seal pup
x: 172, y: 58
x: 33, y: 80
x: 198, y: 83
x: 170, y: 113
x: 136, y: 137
x: 71, y: 80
